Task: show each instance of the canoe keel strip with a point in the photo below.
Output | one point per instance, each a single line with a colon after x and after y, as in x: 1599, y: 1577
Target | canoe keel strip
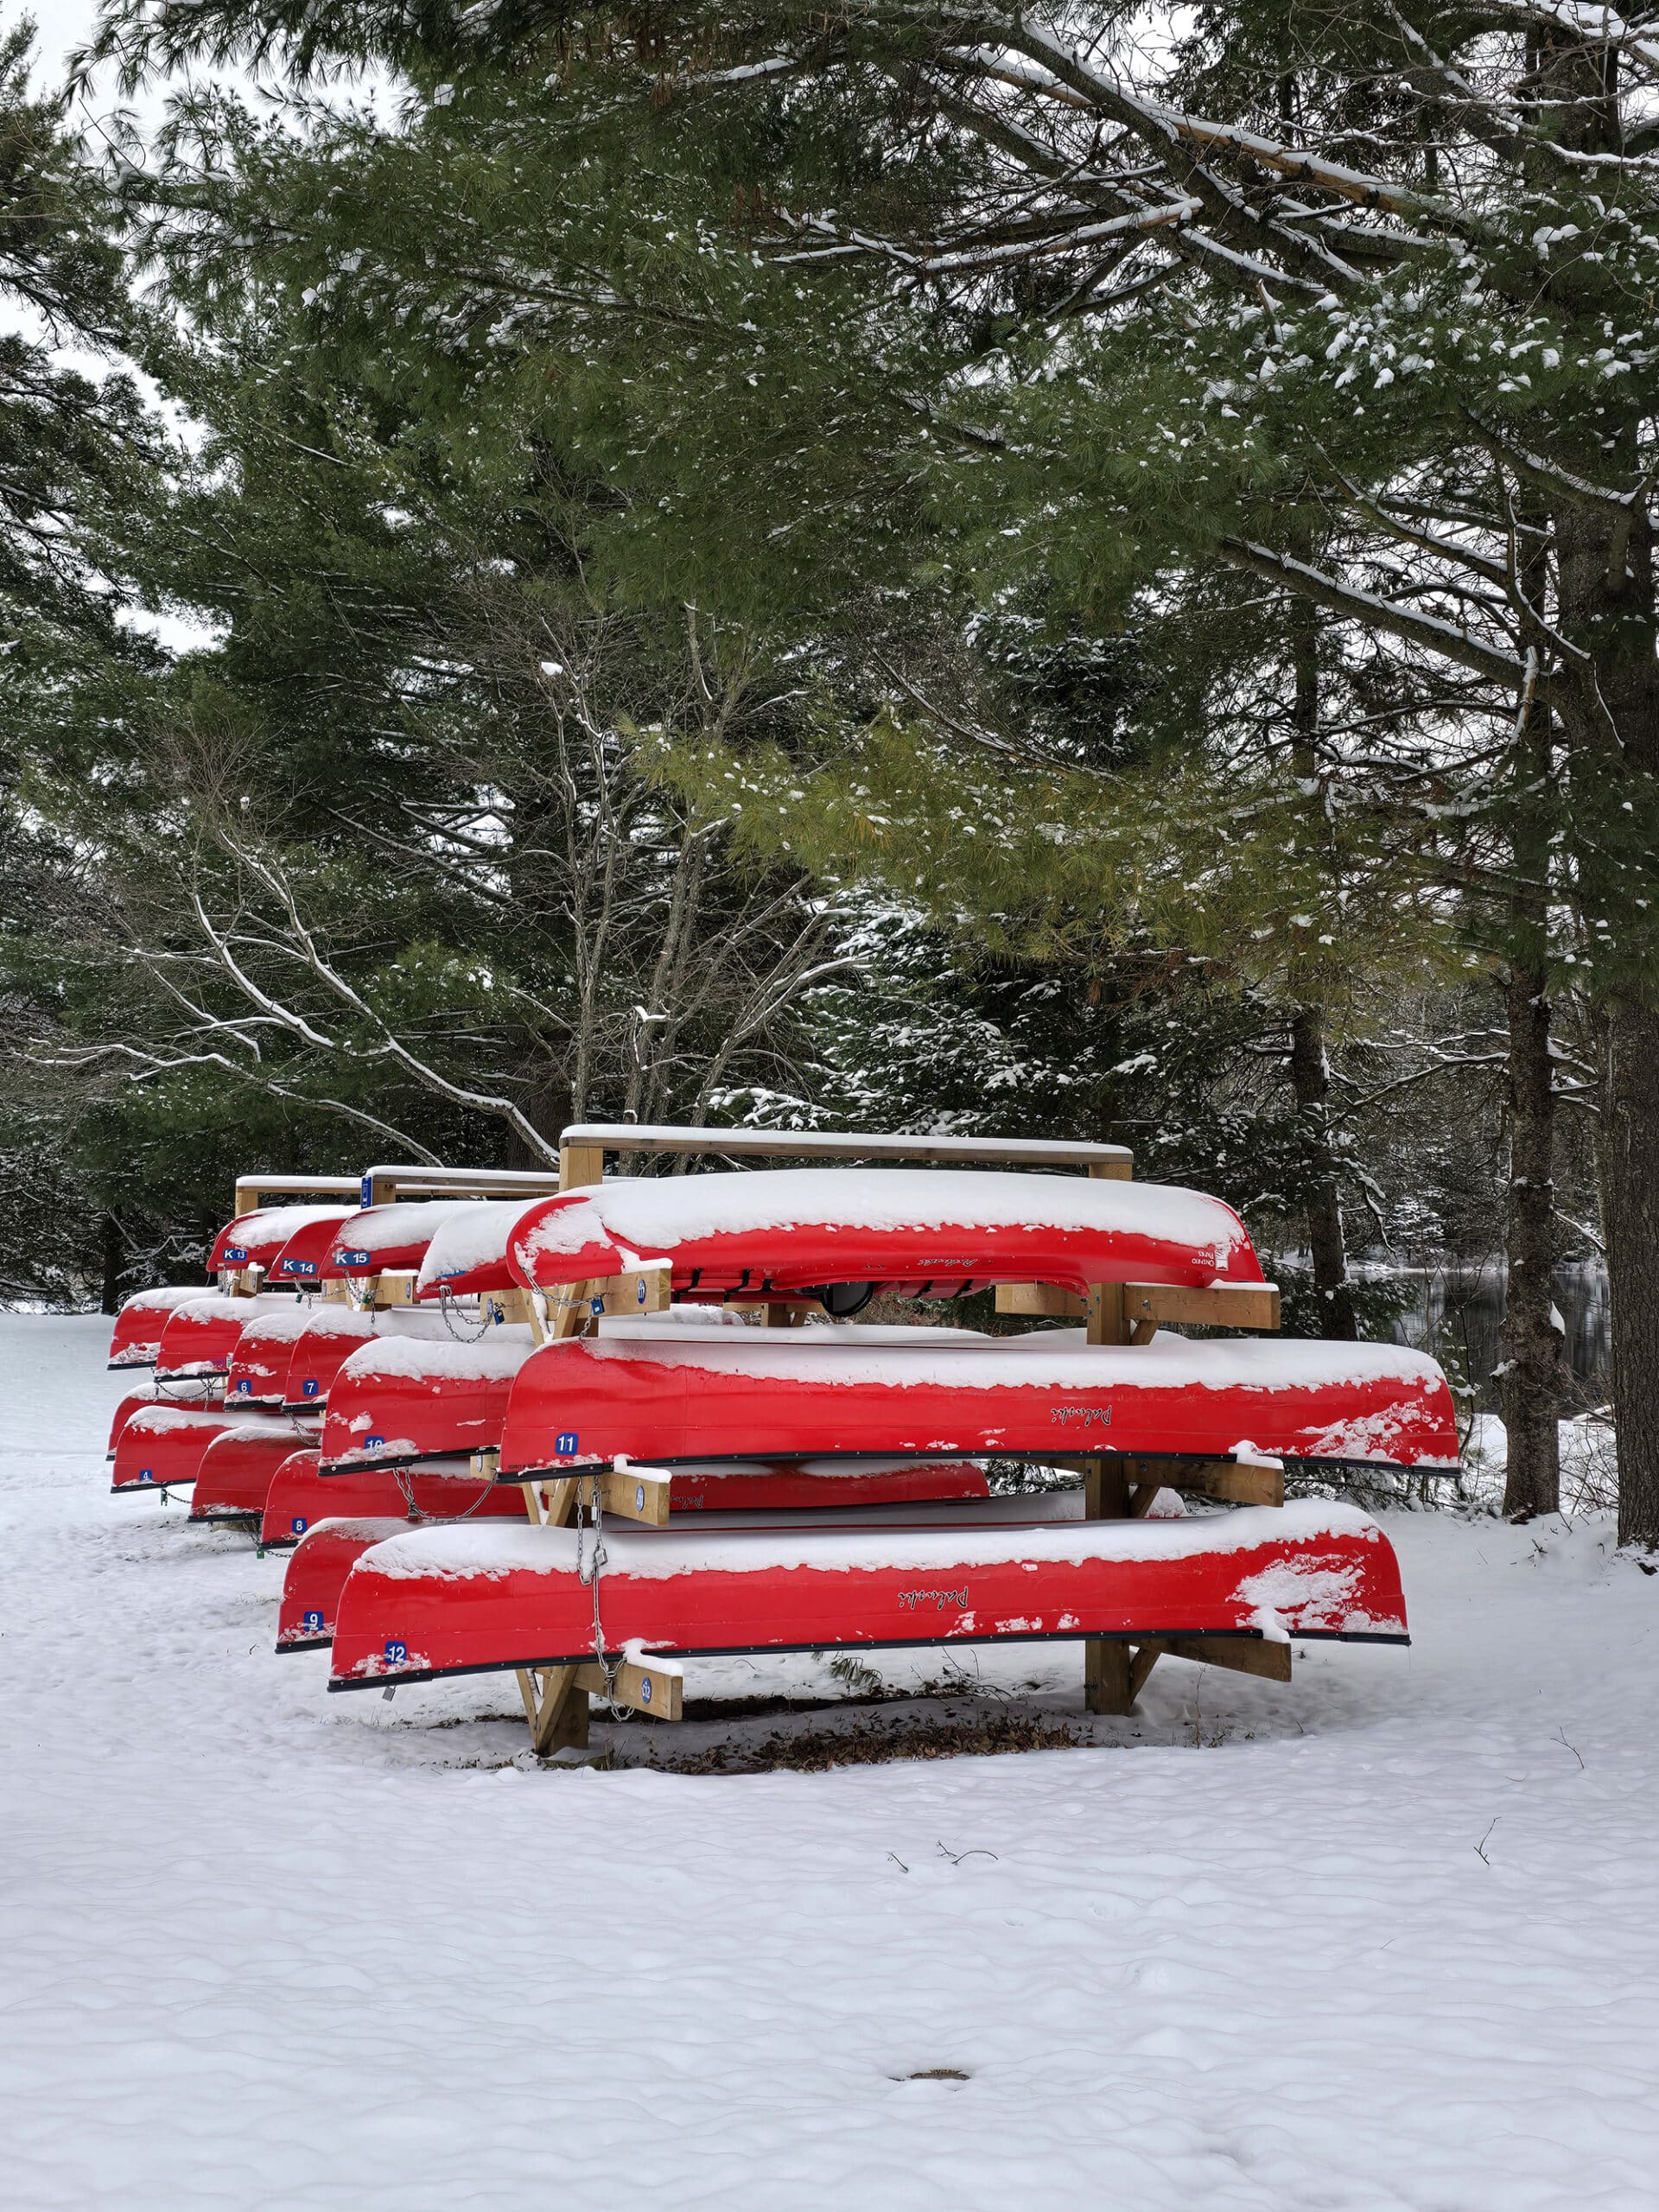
x: 472, y: 1600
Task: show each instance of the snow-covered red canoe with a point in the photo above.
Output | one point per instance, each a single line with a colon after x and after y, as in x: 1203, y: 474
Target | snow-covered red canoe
x: 257, y: 1239
x: 304, y: 1261
x: 301, y: 1495
x: 162, y: 1443
x: 466, y: 1599
x: 332, y: 1333
x: 920, y: 1231
x: 204, y: 1394
x: 138, y: 1326
x: 399, y: 1399
x: 467, y: 1252
x: 256, y: 1375
x: 418, y: 1392
x: 391, y: 1240
x: 317, y: 1569
x: 199, y: 1339
x: 235, y: 1473
x: 584, y: 1402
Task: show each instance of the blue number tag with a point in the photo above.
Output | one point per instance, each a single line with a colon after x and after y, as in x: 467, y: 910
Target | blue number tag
x: 308, y: 1388
x: 299, y: 1267
x: 352, y: 1258
x: 641, y: 1294
x: 639, y: 1498
x: 368, y: 1190
x: 145, y: 1475
x: 566, y: 1443
x: 314, y: 1620
x: 244, y: 1385
x: 645, y: 1691
x: 236, y: 1255
x: 372, y: 1442
x: 397, y: 1651
x: 299, y: 1526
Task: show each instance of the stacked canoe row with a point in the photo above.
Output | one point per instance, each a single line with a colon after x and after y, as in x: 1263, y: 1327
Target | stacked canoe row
x: 588, y: 1435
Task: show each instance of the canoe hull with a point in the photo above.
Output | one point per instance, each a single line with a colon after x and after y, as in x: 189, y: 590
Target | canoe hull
x: 472, y: 1600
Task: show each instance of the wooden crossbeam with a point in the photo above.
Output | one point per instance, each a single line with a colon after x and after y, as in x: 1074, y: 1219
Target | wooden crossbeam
x: 571, y: 1305
x: 656, y: 1687
x: 1240, y: 1655
x: 1146, y: 1305
x: 636, y: 1494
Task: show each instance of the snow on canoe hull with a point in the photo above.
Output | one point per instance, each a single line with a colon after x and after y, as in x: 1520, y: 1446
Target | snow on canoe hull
x: 317, y: 1569
x: 237, y: 1470
x: 399, y: 1400
x: 163, y: 1444
x: 582, y: 1403
x: 388, y: 1240
x: 204, y: 1396
x: 138, y: 1326
x: 470, y: 1600
x: 199, y: 1339
x: 913, y: 1229
x: 300, y: 1497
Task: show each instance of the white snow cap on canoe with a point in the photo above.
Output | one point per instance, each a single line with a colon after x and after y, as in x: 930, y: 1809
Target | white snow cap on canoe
x: 266, y: 1223
x: 473, y: 1236
x: 410, y: 1220
x: 500, y: 1354
x: 1047, y: 1359
x: 463, y: 1550
x: 657, y: 1212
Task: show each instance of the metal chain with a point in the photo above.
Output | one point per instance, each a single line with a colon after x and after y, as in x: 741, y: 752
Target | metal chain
x: 588, y: 1500
x: 447, y: 1307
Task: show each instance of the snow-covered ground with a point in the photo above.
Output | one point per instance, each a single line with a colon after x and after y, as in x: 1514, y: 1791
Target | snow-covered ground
x: 1384, y: 1938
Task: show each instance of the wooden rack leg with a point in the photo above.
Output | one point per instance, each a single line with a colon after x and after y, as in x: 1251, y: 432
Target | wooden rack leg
x: 555, y: 1709
x: 1113, y: 1675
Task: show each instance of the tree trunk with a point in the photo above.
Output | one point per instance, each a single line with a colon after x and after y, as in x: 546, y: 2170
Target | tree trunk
x: 1531, y: 1375
x: 1605, y: 567
x: 1310, y: 1070
x: 1628, y: 1152
x: 1310, y: 1082
x: 109, y: 1297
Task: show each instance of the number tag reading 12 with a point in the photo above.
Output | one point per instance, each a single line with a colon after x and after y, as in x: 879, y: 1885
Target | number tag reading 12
x: 395, y: 1652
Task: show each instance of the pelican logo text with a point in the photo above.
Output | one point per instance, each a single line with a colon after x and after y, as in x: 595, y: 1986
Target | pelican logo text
x: 914, y: 1598
x: 1089, y: 1416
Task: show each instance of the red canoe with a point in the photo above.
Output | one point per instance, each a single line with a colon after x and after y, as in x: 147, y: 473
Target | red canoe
x: 398, y: 1400
x: 304, y: 1261
x: 390, y: 1240
x: 205, y: 1396
x: 582, y: 1402
x: 163, y: 1444
x: 317, y: 1569
x: 468, y: 1252
x: 300, y: 1497
x: 922, y: 1232
x: 256, y: 1240
x: 235, y: 1473
x: 332, y: 1333
x: 199, y: 1337
x: 256, y: 1372
x: 468, y: 1599
x: 138, y: 1326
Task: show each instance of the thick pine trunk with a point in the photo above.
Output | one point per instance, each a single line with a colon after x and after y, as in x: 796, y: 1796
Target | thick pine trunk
x: 1629, y: 1162
x: 1310, y: 1070
x: 1310, y: 1082
x: 1531, y: 1374
x: 1606, y: 597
